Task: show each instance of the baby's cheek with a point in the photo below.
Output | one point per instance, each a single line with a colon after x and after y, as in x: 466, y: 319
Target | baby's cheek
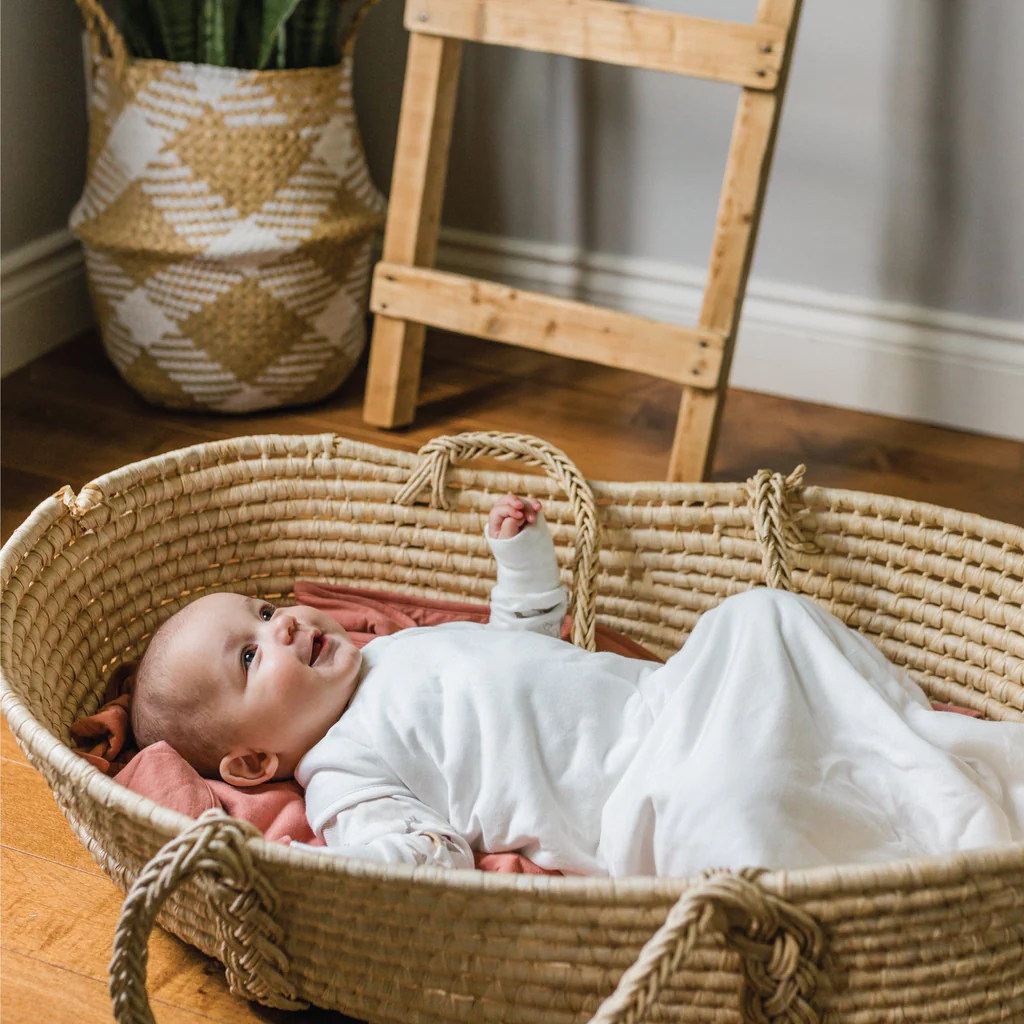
x: 353, y: 661
x: 355, y: 657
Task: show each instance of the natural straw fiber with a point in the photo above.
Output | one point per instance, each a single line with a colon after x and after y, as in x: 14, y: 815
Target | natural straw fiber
x: 89, y: 576
x: 227, y: 223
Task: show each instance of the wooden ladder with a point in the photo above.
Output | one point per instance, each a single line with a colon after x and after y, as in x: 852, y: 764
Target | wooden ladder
x: 408, y: 295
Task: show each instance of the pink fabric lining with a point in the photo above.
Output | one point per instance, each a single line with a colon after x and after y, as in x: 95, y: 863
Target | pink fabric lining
x: 277, y: 809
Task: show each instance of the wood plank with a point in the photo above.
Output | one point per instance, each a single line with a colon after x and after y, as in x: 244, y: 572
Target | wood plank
x: 66, y: 453
x: 33, y: 823
x: 739, y: 215
x: 50, y: 405
x: 396, y: 366
x: 756, y: 422
x: 66, y: 917
x: 613, y: 33
x: 421, y: 150
x: 414, y: 217
x: 625, y: 425
x: 593, y: 424
x: 547, y: 324
x: 34, y: 992
x: 17, y: 481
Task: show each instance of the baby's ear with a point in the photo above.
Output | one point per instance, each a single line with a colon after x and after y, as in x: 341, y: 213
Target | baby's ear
x: 244, y: 767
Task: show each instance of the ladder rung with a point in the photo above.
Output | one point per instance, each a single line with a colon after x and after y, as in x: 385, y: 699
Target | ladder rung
x: 613, y: 32
x: 465, y: 305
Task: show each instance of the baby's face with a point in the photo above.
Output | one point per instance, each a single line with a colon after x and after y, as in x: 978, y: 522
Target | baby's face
x: 280, y: 676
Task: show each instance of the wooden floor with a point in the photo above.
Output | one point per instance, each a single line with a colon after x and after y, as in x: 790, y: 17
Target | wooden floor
x: 68, y: 418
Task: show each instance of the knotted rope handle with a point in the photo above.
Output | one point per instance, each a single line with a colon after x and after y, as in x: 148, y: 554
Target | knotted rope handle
x: 781, y: 947
x: 436, y: 458
x: 215, y: 850
x: 775, y: 523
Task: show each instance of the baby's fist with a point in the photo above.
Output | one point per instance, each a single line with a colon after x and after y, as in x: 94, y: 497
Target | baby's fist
x: 510, y: 514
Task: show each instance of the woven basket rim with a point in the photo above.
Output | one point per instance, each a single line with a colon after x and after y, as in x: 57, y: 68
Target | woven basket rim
x: 141, y: 63
x: 913, y: 872
x: 970, y: 523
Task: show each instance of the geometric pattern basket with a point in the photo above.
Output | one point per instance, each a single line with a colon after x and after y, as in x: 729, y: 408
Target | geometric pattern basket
x: 89, y: 576
x: 227, y: 222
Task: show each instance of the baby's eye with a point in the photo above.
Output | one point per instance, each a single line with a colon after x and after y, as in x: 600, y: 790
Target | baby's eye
x: 267, y: 612
x: 247, y: 655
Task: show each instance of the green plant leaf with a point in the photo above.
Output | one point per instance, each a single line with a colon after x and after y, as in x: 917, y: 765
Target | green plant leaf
x: 238, y: 33
x: 176, y: 22
x: 272, y: 36
x: 217, y: 32
x: 314, y: 34
x: 250, y: 29
x: 140, y: 32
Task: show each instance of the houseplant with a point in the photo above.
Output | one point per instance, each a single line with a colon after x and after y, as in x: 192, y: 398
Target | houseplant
x: 228, y: 213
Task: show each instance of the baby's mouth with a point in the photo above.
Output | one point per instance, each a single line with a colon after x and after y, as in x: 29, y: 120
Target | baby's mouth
x: 316, y: 647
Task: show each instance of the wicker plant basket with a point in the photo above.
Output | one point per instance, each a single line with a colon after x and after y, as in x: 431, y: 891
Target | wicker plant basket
x: 88, y: 577
x: 227, y: 222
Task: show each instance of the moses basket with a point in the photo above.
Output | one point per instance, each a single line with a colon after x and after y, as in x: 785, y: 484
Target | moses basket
x: 89, y: 576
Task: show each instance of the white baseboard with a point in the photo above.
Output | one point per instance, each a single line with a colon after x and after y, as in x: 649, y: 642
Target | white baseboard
x: 960, y: 371
x: 43, y: 299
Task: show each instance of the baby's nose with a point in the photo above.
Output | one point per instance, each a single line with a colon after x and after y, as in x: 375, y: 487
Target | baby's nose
x: 286, y: 626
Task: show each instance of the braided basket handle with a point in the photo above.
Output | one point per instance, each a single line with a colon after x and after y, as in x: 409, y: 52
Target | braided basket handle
x: 348, y: 38
x: 215, y: 850
x: 781, y: 947
x: 102, y: 31
x: 776, y: 525
x: 436, y: 458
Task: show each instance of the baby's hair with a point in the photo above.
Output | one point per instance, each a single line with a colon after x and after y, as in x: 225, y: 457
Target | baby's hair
x: 167, y: 708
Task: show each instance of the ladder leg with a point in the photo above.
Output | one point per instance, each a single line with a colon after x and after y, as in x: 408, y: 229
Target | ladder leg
x: 739, y: 214
x: 393, y: 375
x: 739, y: 211
x: 693, y: 446
x: 414, y: 216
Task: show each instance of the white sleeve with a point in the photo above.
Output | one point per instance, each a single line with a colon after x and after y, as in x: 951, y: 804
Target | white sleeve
x: 528, y: 594
x: 397, y: 830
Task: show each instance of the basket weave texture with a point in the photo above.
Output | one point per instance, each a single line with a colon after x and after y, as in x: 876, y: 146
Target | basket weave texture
x: 227, y: 223
x: 89, y: 576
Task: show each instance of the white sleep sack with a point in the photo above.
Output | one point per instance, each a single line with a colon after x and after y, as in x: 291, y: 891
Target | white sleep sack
x: 777, y: 737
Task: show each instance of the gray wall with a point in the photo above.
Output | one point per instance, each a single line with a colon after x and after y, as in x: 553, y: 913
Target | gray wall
x: 43, y: 297
x: 897, y: 175
x: 42, y: 118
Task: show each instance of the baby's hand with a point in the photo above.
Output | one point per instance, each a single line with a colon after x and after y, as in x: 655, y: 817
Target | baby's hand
x: 510, y: 514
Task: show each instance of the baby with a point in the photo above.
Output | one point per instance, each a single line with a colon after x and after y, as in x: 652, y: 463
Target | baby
x: 776, y: 736
x: 242, y: 689
x: 245, y: 690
